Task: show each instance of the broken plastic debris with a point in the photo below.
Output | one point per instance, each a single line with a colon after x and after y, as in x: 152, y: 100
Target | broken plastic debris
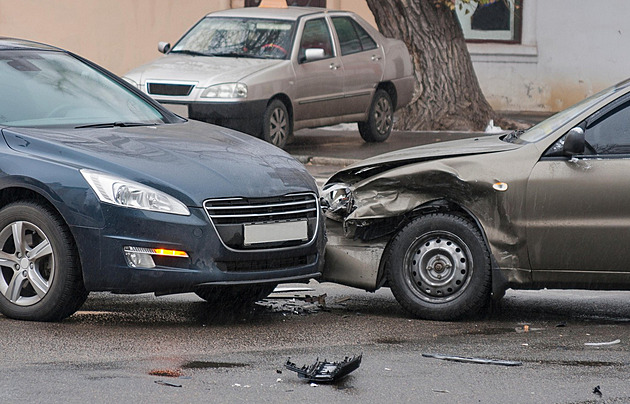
x: 324, y: 371
x: 163, y: 383
x: 602, y: 343
x: 482, y: 361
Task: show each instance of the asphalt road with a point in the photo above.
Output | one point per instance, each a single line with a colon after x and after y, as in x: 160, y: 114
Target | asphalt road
x: 106, y: 352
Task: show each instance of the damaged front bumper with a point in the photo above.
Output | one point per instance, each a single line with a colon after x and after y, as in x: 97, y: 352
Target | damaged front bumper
x: 353, y: 262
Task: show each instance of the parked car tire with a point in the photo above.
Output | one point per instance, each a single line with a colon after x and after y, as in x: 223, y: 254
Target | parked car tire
x: 234, y: 297
x: 438, y: 268
x: 277, y: 124
x: 380, y: 119
x: 40, y: 274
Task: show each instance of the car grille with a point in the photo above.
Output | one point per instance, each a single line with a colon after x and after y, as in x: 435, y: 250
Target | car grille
x: 169, y: 89
x: 230, y: 215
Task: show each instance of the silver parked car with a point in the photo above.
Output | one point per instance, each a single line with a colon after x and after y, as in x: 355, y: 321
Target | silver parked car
x: 270, y: 71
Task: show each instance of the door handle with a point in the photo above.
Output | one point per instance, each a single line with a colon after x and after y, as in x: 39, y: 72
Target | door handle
x: 333, y: 66
x: 375, y: 58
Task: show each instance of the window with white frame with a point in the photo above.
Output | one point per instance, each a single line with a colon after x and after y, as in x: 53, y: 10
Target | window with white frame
x: 494, y: 21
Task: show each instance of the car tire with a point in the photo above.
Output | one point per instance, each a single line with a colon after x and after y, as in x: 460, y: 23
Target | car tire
x: 40, y: 276
x: 234, y: 297
x: 438, y: 267
x: 380, y: 119
x: 277, y: 124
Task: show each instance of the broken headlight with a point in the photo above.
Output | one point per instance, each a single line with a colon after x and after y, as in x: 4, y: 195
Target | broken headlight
x: 337, y: 201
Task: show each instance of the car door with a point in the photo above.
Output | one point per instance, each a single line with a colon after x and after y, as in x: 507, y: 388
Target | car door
x: 318, y: 82
x: 363, y: 64
x: 579, y: 209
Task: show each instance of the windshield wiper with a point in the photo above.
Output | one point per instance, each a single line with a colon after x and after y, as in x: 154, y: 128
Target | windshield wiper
x: 114, y: 124
x: 190, y: 52
x: 513, y: 136
x: 231, y: 54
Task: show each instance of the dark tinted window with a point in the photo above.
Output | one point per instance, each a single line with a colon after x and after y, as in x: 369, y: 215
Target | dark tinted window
x: 352, y: 37
x: 348, y: 38
x: 315, y: 36
x: 610, y: 133
x: 366, y: 40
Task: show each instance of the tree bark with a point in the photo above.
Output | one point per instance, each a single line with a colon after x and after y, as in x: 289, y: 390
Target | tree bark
x: 447, y: 94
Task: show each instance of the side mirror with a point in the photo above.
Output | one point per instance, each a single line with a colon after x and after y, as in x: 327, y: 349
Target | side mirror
x: 164, y: 47
x: 314, y: 54
x: 574, y: 142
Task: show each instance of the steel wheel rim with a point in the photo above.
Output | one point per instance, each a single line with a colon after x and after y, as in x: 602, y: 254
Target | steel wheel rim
x: 278, y: 126
x: 438, y: 267
x: 383, y: 115
x: 27, y: 263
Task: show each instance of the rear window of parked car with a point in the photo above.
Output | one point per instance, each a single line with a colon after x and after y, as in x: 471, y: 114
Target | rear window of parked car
x: 352, y: 37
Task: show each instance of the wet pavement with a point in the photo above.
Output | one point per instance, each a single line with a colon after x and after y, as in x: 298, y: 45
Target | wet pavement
x: 180, y: 349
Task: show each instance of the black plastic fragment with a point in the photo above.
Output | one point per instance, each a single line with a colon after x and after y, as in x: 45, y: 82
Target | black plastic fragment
x: 324, y: 371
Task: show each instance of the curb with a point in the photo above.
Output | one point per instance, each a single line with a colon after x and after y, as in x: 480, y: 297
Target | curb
x: 325, y: 161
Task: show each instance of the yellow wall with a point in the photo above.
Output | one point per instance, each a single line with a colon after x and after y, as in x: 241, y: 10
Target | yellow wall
x: 116, y: 34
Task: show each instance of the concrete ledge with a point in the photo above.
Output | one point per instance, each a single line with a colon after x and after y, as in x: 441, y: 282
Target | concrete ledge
x: 325, y: 161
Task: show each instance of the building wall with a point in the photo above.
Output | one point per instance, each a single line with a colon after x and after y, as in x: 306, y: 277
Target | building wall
x: 117, y: 34
x: 570, y: 50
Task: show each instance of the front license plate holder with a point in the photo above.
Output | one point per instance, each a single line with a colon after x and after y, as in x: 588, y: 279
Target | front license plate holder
x: 263, y: 233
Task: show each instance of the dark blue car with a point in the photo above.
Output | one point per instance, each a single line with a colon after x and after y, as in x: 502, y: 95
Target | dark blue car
x: 102, y: 189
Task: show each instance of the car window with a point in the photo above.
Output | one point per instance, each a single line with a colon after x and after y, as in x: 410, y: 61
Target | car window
x: 352, y: 37
x: 348, y: 38
x: 366, y: 40
x: 315, y: 36
x: 44, y: 88
x: 610, y: 133
x: 238, y: 37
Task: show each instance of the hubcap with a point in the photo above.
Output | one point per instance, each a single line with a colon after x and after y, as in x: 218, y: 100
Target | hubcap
x: 27, y: 265
x: 278, y: 126
x: 438, y: 266
x: 383, y: 116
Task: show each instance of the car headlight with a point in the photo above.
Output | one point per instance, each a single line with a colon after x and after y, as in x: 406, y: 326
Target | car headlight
x: 130, y: 194
x: 337, y: 200
x: 226, y: 90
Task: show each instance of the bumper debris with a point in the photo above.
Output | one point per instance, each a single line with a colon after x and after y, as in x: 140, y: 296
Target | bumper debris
x: 324, y: 371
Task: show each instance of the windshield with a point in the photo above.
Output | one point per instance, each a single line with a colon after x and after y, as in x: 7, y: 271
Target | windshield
x: 238, y: 37
x: 44, y: 88
x: 554, y: 122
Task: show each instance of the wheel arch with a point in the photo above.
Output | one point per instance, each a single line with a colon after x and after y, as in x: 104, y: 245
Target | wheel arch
x: 23, y: 193
x: 286, y: 100
x: 390, y: 88
x: 499, y: 283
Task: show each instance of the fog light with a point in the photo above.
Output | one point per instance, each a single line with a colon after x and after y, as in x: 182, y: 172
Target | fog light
x: 136, y: 259
x: 139, y: 257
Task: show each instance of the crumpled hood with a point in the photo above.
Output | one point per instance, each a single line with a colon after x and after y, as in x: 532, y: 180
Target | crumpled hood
x: 191, y: 161
x: 206, y: 70
x: 463, y: 147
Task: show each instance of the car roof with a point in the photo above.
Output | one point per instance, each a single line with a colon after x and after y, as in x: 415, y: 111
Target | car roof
x: 22, y: 44
x: 289, y: 13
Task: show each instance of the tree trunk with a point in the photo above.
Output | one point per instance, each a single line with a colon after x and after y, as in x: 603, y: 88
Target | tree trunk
x: 447, y: 93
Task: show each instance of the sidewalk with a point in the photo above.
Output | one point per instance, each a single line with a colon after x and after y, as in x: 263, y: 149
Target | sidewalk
x: 341, y: 145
